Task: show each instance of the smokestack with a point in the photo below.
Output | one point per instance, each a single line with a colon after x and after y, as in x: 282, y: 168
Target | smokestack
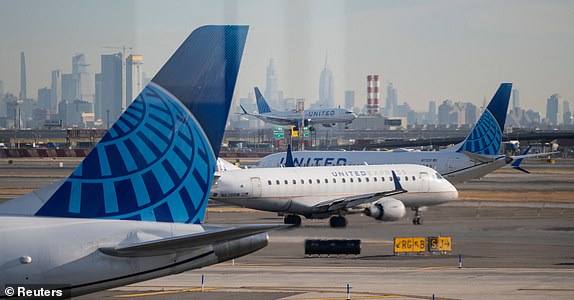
x: 373, y: 95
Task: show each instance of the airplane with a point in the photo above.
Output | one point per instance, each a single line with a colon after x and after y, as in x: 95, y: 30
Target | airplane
x: 332, y: 191
x: 473, y: 158
x: 328, y: 117
x: 132, y: 210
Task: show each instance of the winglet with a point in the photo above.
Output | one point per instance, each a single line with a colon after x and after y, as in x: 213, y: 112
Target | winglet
x: 397, y: 182
x: 244, y: 110
x: 486, y: 135
x: 289, y: 158
x: 516, y: 164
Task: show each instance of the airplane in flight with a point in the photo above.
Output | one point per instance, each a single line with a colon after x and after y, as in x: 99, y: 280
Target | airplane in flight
x: 473, y: 158
x: 132, y: 210
x: 332, y: 191
x: 328, y: 117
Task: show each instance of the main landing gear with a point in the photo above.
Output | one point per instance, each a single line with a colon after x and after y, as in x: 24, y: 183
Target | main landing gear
x: 338, y: 222
x: 418, y: 218
x: 292, y: 219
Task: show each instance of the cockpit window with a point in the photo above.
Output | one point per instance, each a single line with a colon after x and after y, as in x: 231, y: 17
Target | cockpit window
x: 438, y: 176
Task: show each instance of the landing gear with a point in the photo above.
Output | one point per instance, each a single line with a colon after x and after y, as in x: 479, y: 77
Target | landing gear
x: 292, y: 219
x: 418, y: 218
x: 338, y: 222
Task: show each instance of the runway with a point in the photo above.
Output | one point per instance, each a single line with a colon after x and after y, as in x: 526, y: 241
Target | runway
x: 511, y: 247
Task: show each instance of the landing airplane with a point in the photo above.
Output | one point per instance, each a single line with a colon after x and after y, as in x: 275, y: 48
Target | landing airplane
x: 132, y: 210
x: 328, y: 117
x: 322, y: 192
x: 473, y: 158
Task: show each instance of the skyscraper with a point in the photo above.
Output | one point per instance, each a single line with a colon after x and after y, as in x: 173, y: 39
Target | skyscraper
x: 392, y: 100
x: 515, y: 100
x: 431, y: 115
x: 552, y: 110
x: 133, y: 76
x: 56, y: 90
x: 22, y: 76
x: 326, y: 87
x: 350, y: 100
x: 566, y: 114
x: 44, y: 98
x: 1, y: 89
x: 85, y: 80
x: 109, y: 83
x: 271, y: 89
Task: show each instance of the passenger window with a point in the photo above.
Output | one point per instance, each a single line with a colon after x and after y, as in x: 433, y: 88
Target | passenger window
x: 344, y: 180
x: 286, y: 182
x: 277, y: 181
x: 302, y: 181
x: 318, y: 180
x: 383, y: 179
x: 375, y: 179
x: 359, y: 179
x: 367, y: 179
x: 310, y: 181
x: 326, y: 180
x: 406, y: 178
x: 269, y: 182
x: 391, y: 178
x: 414, y: 178
x: 294, y: 181
x: 351, y: 179
x: 334, y: 180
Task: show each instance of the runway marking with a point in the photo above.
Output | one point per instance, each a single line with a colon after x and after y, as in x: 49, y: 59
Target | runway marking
x: 438, y: 268
x: 162, y: 293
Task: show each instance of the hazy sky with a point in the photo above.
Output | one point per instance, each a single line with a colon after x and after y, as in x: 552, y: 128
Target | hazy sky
x: 459, y: 50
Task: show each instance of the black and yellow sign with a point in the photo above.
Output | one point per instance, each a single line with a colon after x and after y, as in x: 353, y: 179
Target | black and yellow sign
x: 409, y: 245
x: 439, y: 244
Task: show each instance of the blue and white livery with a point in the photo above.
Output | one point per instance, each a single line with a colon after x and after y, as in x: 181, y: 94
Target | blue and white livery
x: 131, y: 210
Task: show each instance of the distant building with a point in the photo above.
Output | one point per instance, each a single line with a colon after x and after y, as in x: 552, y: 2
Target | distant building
x: 431, y: 115
x: 566, y: 113
x: 470, y: 114
x: 44, y: 98
x: 373, y: 95
x: 326, y: 87
x: 515, y: 100
x: 444, y: 112
x: 22, y: 76
x: 552, y: 110
x: 56, y: 89
x: 84, y: 79
x: 392, y: 100
x: 133, y: 77
x: 271, y: 93
x: 1, y: 89
x: 109, y: 89
x: 350, y: 100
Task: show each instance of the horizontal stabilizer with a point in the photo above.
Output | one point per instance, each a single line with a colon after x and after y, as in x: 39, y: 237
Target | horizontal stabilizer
x: 172, y: 245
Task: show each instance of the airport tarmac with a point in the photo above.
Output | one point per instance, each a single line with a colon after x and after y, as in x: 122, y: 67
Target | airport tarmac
x: 512, y: 247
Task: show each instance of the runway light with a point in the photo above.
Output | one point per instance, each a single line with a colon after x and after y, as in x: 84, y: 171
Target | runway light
x: 460, y: 261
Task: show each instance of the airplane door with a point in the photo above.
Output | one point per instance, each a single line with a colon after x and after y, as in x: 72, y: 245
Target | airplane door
x: 424, y: 177
x: 256, y: 187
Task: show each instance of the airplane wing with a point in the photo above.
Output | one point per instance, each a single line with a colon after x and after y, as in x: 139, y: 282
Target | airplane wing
x: 352, y: 201
x: 173, y: 244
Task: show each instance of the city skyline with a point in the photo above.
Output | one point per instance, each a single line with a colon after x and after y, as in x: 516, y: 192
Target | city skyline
x: 428, y: 50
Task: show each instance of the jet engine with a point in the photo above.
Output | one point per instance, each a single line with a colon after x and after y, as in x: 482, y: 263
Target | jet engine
x: 386, y: 210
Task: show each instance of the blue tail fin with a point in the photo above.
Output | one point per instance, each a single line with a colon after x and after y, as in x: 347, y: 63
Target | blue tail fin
x: 289, y: 158
x: 516, y: 164
x: 262, y: 105
x: 157, y: 161
x: 486, y: 135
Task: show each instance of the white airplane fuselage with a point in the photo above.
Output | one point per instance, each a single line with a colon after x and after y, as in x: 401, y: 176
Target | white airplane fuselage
x: 455, y: 166
x: 65, y: 252
x: 298, y: 190
x: 325, y: 116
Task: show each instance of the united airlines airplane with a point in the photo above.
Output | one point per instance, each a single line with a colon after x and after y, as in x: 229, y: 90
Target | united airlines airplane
x: 473, y: 158
x: 323, y: 192
x: 328, y: 117
x: 132, y: 210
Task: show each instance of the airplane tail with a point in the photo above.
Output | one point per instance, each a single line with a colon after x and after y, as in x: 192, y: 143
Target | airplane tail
x: 262, y: 105
x: 486, y: 135
x: 157, y: 161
